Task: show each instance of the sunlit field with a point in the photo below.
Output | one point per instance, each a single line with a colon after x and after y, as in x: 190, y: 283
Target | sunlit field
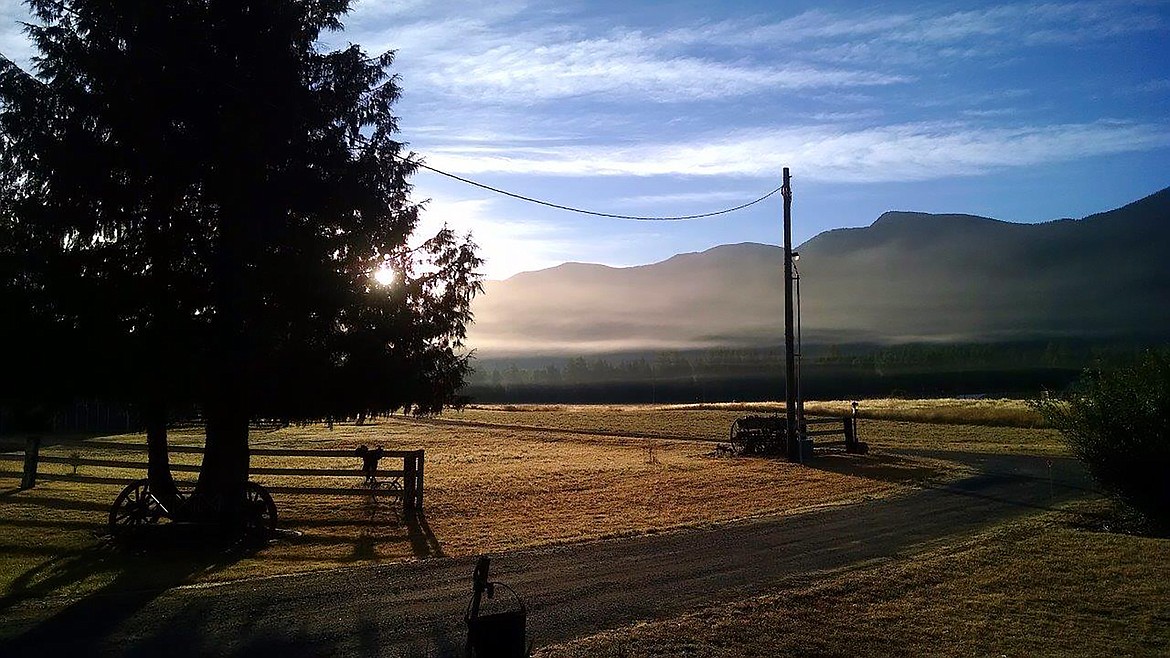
x: 516, y: 476
x: 1036, y: 587
x: 487, y: 489
x: 948, y: 424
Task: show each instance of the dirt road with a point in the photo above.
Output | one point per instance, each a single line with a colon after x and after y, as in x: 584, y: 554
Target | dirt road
x: 416, y: 609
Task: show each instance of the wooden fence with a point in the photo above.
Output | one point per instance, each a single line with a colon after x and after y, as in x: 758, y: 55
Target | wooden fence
x: 410, y: 476
x: 846, y: 427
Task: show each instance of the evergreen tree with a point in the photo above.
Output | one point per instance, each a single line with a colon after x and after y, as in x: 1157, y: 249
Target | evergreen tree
x: 201, y: 195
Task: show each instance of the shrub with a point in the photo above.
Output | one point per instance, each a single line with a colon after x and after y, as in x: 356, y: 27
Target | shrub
x: 1116, y: 423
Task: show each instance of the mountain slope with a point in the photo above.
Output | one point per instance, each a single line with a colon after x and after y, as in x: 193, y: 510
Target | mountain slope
x: 908, y: 276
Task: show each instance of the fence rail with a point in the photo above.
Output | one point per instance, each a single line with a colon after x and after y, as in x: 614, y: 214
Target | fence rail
x: 846, y: 427
x: 411, y: 473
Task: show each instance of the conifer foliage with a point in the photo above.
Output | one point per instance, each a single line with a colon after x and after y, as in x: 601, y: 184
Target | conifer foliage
x: 197, y: 195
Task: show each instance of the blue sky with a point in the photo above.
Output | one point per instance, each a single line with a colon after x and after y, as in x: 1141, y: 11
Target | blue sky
x: 1023, y: 112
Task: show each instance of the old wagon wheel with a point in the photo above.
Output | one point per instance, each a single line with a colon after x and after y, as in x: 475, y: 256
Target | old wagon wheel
x: 743, y: 440
x: 134, y: 508
x: 259, y: 512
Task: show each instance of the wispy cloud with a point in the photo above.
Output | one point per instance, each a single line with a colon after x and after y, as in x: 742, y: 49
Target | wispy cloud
x: 907, y: 152
x: 471, y: 57
x: 1018, y: 24
x: 908, y: 42
x: 627, y: 67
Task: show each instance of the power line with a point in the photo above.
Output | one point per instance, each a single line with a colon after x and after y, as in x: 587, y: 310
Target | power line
x: 639, y: 218
x: 496, y: 190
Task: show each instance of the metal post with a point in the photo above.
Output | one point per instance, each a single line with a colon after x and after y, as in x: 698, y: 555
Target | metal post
x: 791, y: 435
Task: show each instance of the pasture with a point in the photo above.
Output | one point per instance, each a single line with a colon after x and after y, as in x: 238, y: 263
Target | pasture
x: 508, y: 477
x: 495, y: 480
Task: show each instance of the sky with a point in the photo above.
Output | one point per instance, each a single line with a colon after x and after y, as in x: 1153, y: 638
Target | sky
x: 1020, y: 111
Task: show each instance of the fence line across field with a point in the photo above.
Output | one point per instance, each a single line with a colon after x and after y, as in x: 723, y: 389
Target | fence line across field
x: 411, y: 474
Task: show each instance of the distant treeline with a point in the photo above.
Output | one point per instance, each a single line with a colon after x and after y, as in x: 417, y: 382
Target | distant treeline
x: 827, y: 372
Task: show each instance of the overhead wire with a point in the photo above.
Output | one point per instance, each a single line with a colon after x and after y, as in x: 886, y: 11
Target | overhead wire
x: 595, y: 213
x: 514, y: 195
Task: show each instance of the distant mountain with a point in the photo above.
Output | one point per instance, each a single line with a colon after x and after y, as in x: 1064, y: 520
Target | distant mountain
x: 907, y: 277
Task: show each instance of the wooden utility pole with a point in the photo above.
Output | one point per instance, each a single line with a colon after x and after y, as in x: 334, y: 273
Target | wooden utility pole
x: 791, y: 436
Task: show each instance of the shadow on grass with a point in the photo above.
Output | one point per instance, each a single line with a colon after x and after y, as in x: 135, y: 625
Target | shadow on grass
x: 138, y: 574
x: 1021, y: 481
x: 370, y: 536
x: 883, y: 467
x: 56, y: 524
x: 422, y: 539
x: 1111, y: 516
x: 66, y: 504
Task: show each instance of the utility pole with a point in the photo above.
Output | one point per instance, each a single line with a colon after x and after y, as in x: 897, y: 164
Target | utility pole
x: 791, y: 436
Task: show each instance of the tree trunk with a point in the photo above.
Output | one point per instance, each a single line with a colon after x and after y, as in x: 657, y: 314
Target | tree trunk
x: 158, y: 469
x: 225, y: 463
x: 162, y: 482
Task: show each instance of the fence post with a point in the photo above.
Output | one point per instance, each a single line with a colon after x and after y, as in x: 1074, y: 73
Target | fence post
x: 409, y: 473
x: 32, y: 447
x: 852, y: 443
x: 418, y: 490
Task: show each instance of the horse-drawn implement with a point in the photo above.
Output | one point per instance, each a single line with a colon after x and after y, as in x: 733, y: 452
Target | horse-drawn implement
x: 137, y: 508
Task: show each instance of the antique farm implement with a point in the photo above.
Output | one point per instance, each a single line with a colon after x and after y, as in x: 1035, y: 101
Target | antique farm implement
x: 767, y: 434
x: 138, y: 508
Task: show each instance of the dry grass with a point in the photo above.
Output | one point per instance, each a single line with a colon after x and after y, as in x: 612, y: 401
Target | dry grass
x: 1037, y: 587
x: 884, y: 424
x: 487, y: 489
x: 961, y: 438
x: 999, y: 412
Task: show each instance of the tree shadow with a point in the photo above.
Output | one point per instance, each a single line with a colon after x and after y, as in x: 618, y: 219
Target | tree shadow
x: 67, y: 504
x: 991, y: 472
x: 884, y: 467
x: 141, y: 573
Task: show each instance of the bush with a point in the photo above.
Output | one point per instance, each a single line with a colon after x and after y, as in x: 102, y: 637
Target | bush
x: 1116, y: 423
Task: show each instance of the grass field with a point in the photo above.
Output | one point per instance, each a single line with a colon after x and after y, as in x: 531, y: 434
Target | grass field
x: 968, y: 425
x: 487, y: 489
x: 503, y: 477
x: 1037, y: 587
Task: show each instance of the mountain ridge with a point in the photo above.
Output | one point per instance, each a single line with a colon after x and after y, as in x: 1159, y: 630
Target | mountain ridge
x: 906, y: 276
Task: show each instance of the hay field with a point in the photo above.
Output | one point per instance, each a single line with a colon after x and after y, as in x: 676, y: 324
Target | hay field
x: 487, y: 489
x: 947, y: 424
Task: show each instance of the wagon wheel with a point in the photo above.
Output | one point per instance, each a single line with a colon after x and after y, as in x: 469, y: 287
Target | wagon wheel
x: 742, y: 440
x: 259, y: 512
x: 134, y: 508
